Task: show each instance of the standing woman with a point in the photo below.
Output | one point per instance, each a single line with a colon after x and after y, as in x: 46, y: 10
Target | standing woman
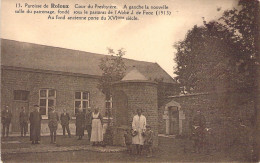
x: 53, y: 124
x: 97, y: 128
x: 80, y: 123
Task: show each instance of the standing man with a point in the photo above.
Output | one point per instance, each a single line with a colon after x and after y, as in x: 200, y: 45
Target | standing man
x: 80, y: 123
x: 65, y: 118
x: 23, y: 119
x: 198, y: 126
x: 6, y: 120
x: 53, y: 124
x: 35, y: 125
x: 139, y: 126
x: 89, y: 122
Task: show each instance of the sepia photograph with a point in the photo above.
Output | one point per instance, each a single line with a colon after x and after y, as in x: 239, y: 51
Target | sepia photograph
x: 130, y: 81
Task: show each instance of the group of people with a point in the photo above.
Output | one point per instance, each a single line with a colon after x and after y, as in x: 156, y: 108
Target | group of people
x: 90, y: 121
x: 140, y: 136
x: 93, y: 123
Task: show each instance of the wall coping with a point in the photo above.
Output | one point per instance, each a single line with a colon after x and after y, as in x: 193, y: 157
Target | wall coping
x: 188, y: 95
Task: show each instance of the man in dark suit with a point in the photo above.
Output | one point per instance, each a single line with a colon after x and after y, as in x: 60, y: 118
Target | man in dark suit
x: 80, y: 123
x: 65, y: 118
x: 6, y: 120
x: 23, y: 119
x: 35, y: 125
x: 198, y: 126
x: 53, y: 124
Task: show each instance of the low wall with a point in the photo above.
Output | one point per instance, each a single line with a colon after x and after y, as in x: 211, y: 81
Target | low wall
x: 229, y: 115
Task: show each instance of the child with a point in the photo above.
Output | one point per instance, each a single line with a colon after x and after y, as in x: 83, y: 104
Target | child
x: 128, y: 140
x: 148, y: 140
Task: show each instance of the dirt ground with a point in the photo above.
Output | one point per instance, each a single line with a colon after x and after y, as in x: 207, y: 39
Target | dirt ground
x: 169, y: 150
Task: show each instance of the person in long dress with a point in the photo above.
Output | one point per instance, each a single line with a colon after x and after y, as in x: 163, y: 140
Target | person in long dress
x: 97, y: 128
x: 35, y: 125
x: 80, y: 123
x: 139, y: 127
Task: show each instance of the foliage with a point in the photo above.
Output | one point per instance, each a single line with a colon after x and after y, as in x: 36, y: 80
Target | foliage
x: 220, y: 55
x: 113, y: 68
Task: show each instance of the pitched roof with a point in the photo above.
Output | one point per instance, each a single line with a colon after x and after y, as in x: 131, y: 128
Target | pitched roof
x: 42, y: 57
x: 134, y: 74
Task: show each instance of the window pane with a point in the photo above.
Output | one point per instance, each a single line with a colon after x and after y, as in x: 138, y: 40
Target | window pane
x: 77, y: 95
x: 43, y: 110
x: 51, y: 93
x: 24, y: 95
x: 84, y: 104
x: 76, y: 110
x: 77, y: 104
x: 85, y: 95
x: 49, y: 109
x: 43, y: 93
x: 108, y: 105
x: 43, y: 102
x: 51, y: 103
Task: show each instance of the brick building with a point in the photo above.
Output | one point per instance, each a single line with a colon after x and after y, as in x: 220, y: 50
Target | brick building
x: 61, y: 78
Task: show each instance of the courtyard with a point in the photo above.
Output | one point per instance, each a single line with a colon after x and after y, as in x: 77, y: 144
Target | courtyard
x: 19, y: 149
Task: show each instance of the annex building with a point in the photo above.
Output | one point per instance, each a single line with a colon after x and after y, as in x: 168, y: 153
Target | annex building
x: 68, y: 79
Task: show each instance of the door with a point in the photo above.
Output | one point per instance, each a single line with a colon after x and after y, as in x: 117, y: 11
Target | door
x: 16, y: 109
x: 173, y: 116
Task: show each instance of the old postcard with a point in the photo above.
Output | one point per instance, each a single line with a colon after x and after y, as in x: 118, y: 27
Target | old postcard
x: 129, y: 81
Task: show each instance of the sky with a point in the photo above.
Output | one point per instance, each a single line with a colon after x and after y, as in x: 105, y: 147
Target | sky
x: 151, y: 38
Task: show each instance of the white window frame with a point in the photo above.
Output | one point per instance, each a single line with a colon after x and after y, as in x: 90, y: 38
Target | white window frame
x: 47, y: 98
x: 110, y: 101
x: 111, y: 105
x: 81, y: 99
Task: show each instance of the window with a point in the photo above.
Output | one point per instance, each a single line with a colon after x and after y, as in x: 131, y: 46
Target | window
x: 21, y: 95
x: 47, y: 100
x: 109, y: 106
x: 81, y: 101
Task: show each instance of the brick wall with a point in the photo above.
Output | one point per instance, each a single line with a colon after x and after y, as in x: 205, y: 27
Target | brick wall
x: 141, y: 95
x: 65, y: 86
x: 222, y: 111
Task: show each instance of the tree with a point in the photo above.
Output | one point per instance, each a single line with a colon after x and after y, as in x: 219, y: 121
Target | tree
x: 113, y: 68
x: 205, y: 58
x: 222, y: 52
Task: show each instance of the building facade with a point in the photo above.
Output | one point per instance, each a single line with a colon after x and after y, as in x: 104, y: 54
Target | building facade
x: 61, y: 78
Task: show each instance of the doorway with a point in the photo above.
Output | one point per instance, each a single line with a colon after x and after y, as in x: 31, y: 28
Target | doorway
x: 173, y: 117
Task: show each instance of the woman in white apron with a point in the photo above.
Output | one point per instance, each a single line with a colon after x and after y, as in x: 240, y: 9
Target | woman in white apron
x: 97, y: 128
